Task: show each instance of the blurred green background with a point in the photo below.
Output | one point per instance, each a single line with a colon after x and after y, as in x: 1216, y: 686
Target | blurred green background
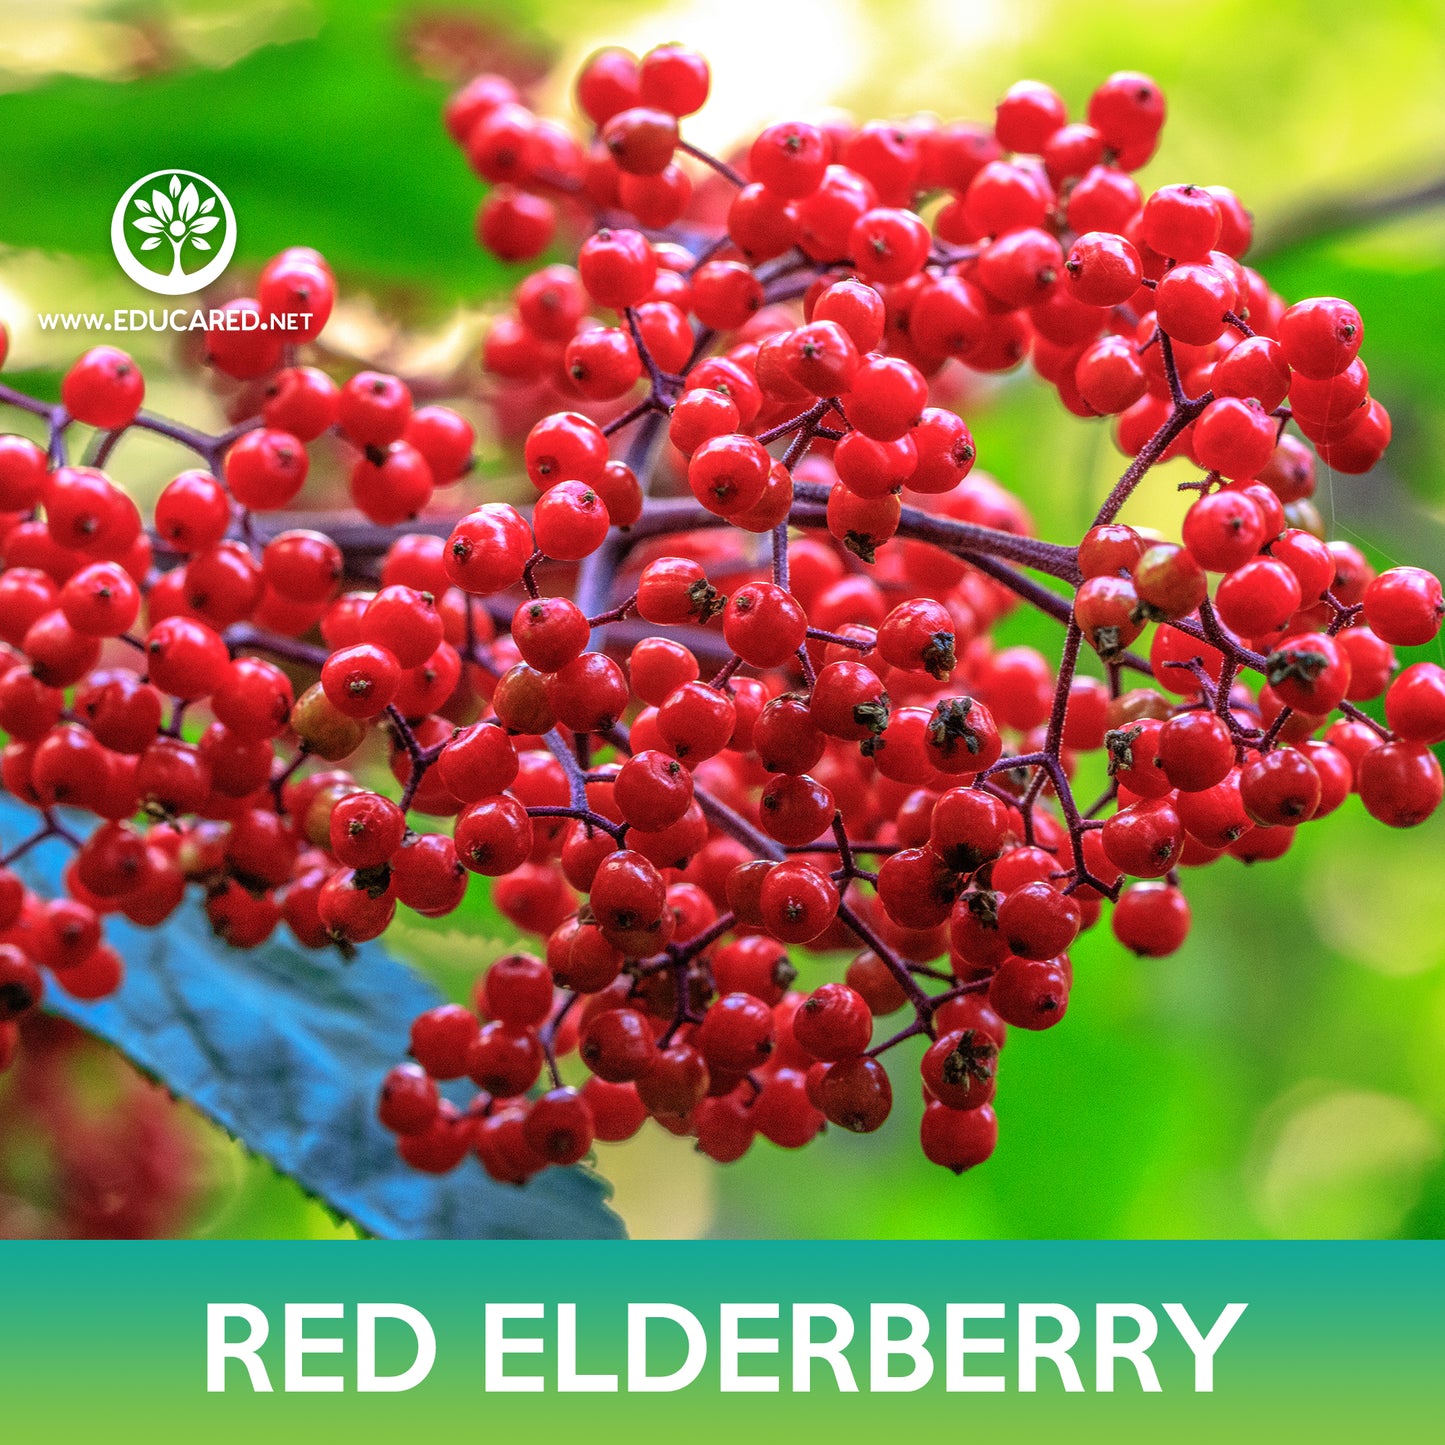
x: 1284, y: 1074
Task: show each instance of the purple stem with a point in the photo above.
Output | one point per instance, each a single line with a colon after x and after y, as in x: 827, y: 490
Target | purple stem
x: 721, y: 167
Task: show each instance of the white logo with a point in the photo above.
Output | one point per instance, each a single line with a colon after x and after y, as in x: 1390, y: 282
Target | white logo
x: 168, y: 221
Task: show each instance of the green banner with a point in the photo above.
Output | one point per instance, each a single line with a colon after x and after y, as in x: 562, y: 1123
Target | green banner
x: 722, y: 1341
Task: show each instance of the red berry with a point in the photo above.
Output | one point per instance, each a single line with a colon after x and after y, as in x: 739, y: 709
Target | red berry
x: 559, y: 1127
x: 1254, y: 367
x: 1400, y: 783
x: 265, y: 469
x: 652, y: 790
x: 1224, y: 530
x: 1320, y: 337
x: 366, y: 829
x: 958, y: 1139
x: 1151, y: 919
x: 736, y: 1033
x: 1181, y: 222
x: 641, y: 140
x: 790, y: 158
x: 1309, y: 672
x: 1028, y: 116
x: 887, y: 397
x: 488, y: 549
x: 617, y: 267
x: 1415, y: 704
x: 617, y: 1111
x: 504, y: 1061
x: 833, y: 1023
x: 1280, y: 788
x: 374, y: 408
x: 764, y: 625
x: 1102, y: 269
x: 1037, y: 922
x: 1195, y: 751
x: 1191, y: 301
x: 1235, y: 438
x: 359, y: 681
x: 103, y: 389
x: 960, y: 1068
x: 494, y: 836
x: 1128, y: 111
x: 409, y: 1100
x: 570, y: 521
x: 1404, y: 606
x: 608, y: 83
x: 1144, y: 840
x: 442, y: 1038
x: 797, y: 901
x: 22, y: 473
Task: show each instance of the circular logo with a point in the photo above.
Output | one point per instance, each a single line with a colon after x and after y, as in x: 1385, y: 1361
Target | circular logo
x: 173, y: 232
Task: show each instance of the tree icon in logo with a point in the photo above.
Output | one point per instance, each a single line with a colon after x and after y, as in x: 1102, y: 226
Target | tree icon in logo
x: 169, y: 221
x: 178, y: 217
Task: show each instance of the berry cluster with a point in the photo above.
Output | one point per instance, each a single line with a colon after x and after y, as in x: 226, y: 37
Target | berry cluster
x: 734, y: 690
x: 89, y: 1149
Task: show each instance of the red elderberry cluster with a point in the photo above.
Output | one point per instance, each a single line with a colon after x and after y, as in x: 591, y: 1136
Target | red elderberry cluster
x: 729, y: 688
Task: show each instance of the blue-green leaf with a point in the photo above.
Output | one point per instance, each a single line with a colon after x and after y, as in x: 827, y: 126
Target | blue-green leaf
x: 285, y: 1048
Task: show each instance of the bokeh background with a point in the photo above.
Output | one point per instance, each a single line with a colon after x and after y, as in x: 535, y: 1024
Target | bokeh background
x: 1284, y: 1074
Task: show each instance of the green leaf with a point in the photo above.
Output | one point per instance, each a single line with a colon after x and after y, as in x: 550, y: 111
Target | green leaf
x: 285, y: 1048
x: 361, y: 140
